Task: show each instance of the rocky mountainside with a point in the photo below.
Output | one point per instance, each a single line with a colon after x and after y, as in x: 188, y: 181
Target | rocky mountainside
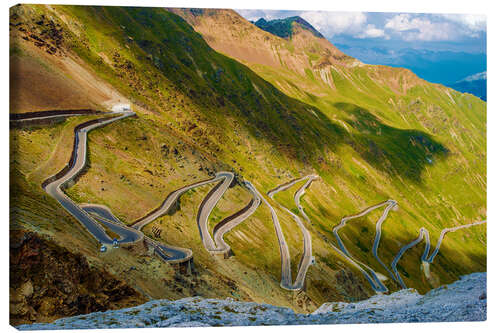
x: 464, y: 300
x: 213, y: 92
x: 298, y: 47
x: 287, y: 27
x: 43, y: 287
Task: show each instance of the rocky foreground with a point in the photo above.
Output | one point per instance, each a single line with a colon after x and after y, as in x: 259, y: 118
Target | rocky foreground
x: 463, y: 300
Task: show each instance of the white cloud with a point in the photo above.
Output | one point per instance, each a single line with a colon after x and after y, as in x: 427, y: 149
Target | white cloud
x: 328, y: 23
x: 372, y: 32
x: 473, y: 23
x: 411, y: 27
x: 255, y: 14
x: 336, y: 23
x: 399, y: 22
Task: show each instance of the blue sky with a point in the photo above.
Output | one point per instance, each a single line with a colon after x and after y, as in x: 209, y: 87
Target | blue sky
x: 435, y: 32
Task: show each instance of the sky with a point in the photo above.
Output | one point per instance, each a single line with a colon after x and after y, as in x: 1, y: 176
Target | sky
x: 434, y: 32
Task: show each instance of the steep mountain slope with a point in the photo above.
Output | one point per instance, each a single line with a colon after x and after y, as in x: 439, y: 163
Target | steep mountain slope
x: 48, y: 287
x: 297, y: 107
x: 231, y: 34
x: 445, y: 67
x: 198, y: 112
x: 380, y: 108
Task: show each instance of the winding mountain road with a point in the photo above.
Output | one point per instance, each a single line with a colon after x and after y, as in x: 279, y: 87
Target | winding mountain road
x: 104, y: 215
x: 172, y: 198
x: 216, y: 244
x: 93, y: 217
x: 422, y: 233
x: 306, y: 259
x: 76, y: 166
x: 208, y: 205
x: 286, y: 273
x: 373, y: 277
x: 300, y: 193
x: 232, y: 221
x: 426, y: 258
x: 391, y: 204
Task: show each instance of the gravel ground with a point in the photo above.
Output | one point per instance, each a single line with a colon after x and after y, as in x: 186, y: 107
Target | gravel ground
x: 463, y: 300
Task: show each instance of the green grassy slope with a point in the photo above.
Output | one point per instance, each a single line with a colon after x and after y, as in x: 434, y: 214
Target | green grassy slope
x: 419, y: 143
x: 200, y: 111
x: 438, y: 183
x: 188, y: 127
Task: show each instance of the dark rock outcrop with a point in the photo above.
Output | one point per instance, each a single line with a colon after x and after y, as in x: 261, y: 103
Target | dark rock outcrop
x: 48, y: 282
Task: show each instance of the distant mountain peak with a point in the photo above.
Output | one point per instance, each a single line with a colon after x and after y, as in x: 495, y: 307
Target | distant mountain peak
x: 284, y: 28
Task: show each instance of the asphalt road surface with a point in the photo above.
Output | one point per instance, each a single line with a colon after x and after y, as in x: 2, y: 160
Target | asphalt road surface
x: 93, y: 217
x: 232, y: 221
x: 372, y: 277
x: 215, y: 245
x: 54, y: 188
x: 306, y: 259
x: 286, y: 274
x: 425, y: 258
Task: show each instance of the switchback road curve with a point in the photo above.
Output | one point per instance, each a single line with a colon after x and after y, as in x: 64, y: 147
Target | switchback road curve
x: 373, y: 278
x: 391, y: 204
x: 217, y: 244
x: 306, y: 259
x: 93, y: 216
x: 232, y: 221
x: 426, y: 258
x: 300, y: 193
x: 76, y: 166
x: 286, y: 273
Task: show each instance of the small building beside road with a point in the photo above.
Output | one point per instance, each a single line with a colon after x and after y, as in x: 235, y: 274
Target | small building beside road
x: 120, y: 107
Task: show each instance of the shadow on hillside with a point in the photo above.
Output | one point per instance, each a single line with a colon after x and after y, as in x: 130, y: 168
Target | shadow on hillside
x: 396, y: 151
x: 455, y: 258
x: 299, y: 130
x: 222, y: 89
x: 447, y: 265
